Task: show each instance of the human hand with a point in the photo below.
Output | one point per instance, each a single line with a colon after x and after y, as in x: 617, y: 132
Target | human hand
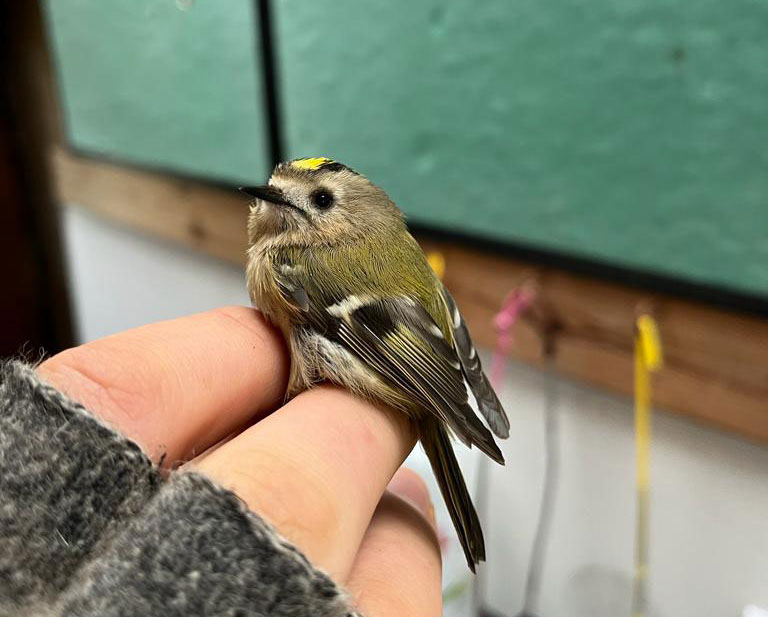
x: 200, y: 390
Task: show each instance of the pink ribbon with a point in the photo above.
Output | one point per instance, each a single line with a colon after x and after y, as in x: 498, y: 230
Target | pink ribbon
x: 514, y: 305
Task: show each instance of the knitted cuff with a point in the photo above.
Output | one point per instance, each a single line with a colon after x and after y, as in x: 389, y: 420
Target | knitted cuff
x: 88, y: 526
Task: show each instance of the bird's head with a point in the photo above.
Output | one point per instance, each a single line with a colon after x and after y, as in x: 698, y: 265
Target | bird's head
x: 318, y: 200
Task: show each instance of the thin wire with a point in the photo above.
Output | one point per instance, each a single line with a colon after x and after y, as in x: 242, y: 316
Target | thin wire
x: 515, y: 304
x: 546, y: 507
x: 548, y: 492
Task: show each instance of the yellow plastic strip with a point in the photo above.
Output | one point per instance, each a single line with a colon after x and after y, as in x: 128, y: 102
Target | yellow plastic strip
x: 437, y: 263
x: 648, y: 358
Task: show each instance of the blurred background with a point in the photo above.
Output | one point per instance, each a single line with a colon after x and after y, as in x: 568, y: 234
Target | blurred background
x: 601, y: 160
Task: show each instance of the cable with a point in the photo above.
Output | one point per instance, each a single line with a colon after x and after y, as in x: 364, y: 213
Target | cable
x: 548, y: 492
x: 547, y: 504
x: 526, y: 300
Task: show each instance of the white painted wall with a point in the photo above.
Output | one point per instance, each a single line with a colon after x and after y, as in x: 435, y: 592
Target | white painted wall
x: 709, y: 532
x: 122, y: 279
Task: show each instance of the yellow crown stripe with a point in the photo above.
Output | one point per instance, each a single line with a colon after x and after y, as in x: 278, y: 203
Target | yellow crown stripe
x: 311, y: 163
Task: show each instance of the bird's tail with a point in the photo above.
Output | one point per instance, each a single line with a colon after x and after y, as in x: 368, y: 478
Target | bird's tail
x: 439, y: 450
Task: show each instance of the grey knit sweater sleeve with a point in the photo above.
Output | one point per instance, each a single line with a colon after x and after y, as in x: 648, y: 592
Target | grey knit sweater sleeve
x: 88, y: 526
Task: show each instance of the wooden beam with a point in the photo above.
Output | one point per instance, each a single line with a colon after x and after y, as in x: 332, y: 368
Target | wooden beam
x: 716, y: 366
x: 185, y: 211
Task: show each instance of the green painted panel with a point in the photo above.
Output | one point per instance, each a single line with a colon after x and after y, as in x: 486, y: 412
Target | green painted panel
x: 634, y: 133
x: 169, y: 84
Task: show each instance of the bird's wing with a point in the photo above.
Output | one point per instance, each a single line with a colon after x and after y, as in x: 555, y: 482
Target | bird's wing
x: 487, y: 401
x: 398, y: 339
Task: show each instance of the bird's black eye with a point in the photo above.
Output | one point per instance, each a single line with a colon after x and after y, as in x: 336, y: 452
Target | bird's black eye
x: 322, y: 199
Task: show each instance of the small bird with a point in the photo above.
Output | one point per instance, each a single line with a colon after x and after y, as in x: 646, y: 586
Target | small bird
x: 331, y: 263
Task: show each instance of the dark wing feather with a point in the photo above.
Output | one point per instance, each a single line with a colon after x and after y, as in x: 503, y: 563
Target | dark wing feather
x: 396, y: 338
x: 487, y: 401
x: 396, y: 331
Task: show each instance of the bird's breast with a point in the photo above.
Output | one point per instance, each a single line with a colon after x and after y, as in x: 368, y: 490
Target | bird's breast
x: 263, y: 286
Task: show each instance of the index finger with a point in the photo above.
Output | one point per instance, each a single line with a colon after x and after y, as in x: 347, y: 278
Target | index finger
x: 177, y: 387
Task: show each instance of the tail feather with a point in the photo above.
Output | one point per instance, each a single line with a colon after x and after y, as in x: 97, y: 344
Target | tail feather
x: 439, y: 450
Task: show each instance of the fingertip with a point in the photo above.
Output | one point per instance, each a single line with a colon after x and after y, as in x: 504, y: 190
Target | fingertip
x: 398, y: 568
x: 410, y: 487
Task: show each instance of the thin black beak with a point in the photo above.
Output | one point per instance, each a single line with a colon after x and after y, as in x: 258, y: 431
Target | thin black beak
x: 267, y: 193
